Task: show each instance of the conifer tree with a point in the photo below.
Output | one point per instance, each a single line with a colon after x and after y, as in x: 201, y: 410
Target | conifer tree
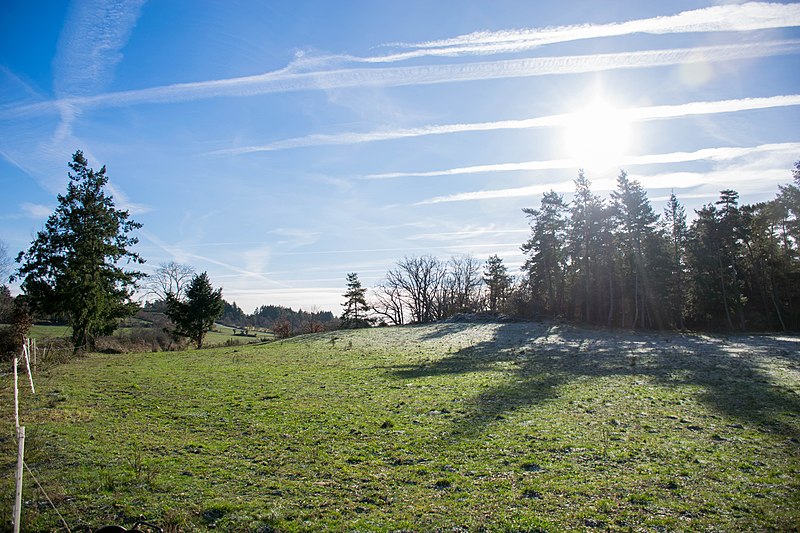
x: 195, y: 316
x: 498, y: 282
x: 72, y: 268
x: 584, y: 247
x: 676, y: 230
x: 355, y: 307
x: 546, y: 263
x: 635, y: 225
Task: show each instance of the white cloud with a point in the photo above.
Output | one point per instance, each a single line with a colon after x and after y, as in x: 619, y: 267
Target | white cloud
x: 121, y: 201
x: 90, y: 45
x: 295, y: 238
x: 89, y: 49
x: 630, y: 114
x: 710, y: 154
x: 286, y: 80
x: 724, y: 18
x: 462, y: 235
x: 37, y: 211
x: 750, y: 168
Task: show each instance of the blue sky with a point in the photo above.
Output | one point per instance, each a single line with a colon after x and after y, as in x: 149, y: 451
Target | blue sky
x: 281, y: 145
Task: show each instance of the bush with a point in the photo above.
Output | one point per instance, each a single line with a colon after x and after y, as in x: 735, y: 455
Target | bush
x: 140, y: 340
x: 282, y: 329
x: 8, y: 343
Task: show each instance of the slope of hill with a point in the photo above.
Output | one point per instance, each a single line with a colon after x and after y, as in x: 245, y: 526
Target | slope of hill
x: 511, y: 427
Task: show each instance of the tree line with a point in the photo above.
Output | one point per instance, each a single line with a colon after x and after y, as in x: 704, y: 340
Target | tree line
x: 613, y: 262
x: 616, y: 262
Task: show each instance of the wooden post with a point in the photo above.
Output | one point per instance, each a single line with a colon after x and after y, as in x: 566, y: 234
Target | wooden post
x: 20, y: 466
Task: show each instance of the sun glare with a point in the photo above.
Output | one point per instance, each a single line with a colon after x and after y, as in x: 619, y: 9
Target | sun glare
x: 597, y: 137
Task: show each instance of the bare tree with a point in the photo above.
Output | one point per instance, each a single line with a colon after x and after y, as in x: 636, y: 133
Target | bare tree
x: 5, y: 263
x: 421, y: 280
x: 388, y: 301
x: 462, y: 286
x: 169, y: 278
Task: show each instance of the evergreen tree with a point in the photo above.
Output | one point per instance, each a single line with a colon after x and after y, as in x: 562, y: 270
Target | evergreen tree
x: 715, y: 254
x: 585, y: 245
x: 546, y: 263
x: 195, y: 316
x: 635, y: 226
x: 498, y: 282
x: 676, y: 231
x: 355, y: 306
x: 766, y: 266
x: 72, y: 267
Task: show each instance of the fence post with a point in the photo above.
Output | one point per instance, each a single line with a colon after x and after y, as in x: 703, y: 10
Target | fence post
x: 20, y: 466
x: 16, y: 394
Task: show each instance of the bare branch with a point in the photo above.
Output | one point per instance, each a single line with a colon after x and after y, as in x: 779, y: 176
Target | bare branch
x: 169, y: 278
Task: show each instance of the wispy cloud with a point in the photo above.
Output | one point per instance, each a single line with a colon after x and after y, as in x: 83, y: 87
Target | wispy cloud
x: 89, y: 50
x: 295, y: 238
x: 630, y: 115
x: 461, y: 235
x: 122, y: 201
x: 180, y: 254
x: 90, y: 45
x: 724, y: 18
x: 37, y: 211
x: 289, y: 79
x: 772, y: 160
x: 710, y: 154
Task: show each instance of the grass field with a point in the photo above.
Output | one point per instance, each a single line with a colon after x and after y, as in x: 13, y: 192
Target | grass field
x: 450, y: 427
x: 218, y: 337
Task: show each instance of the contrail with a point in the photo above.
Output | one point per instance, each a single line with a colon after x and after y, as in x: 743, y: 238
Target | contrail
x: 631, y: 115
x: 711, y: 154
x: 288, y: 80
x: 726, y: 18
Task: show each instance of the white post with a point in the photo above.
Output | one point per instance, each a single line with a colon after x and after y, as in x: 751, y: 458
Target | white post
x: 20, y: 465
x: 16, y: 394
x: 27, y: 353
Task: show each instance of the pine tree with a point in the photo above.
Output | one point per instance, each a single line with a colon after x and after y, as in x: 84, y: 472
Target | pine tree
x: 355, y: 307
x: 195, y: 316
x: 546, y: 263
x: 498, y: 282
x: 676, y: 230
x: 585, y: 248
x: 635, y: 225
x: 72, y: 267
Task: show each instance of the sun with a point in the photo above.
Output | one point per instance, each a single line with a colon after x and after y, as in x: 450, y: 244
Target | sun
x: 598, y: 136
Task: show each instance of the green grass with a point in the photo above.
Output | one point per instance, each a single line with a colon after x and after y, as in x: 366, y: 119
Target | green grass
x: 218, y: 337
x: 40, y: 332
x: 224, y: 334
x: 514, y: 427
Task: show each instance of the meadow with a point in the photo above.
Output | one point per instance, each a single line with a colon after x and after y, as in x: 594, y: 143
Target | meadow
x: 445, y: 427
x: 220, y: 335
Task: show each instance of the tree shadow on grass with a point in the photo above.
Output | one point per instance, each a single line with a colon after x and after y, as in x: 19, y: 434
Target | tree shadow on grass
x: 731, y: 373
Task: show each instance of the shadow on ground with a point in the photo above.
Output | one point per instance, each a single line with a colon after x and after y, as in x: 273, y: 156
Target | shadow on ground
x: 731, y: 371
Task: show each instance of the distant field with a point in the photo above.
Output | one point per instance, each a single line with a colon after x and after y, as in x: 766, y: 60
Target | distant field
x: 218, y: 337
x: 223, y: 334
x: 452, y: 427
x: 39, y: 332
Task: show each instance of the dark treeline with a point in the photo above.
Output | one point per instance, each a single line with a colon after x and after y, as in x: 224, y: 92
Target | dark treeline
x: 617, y: 262
x: 267, y: 316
